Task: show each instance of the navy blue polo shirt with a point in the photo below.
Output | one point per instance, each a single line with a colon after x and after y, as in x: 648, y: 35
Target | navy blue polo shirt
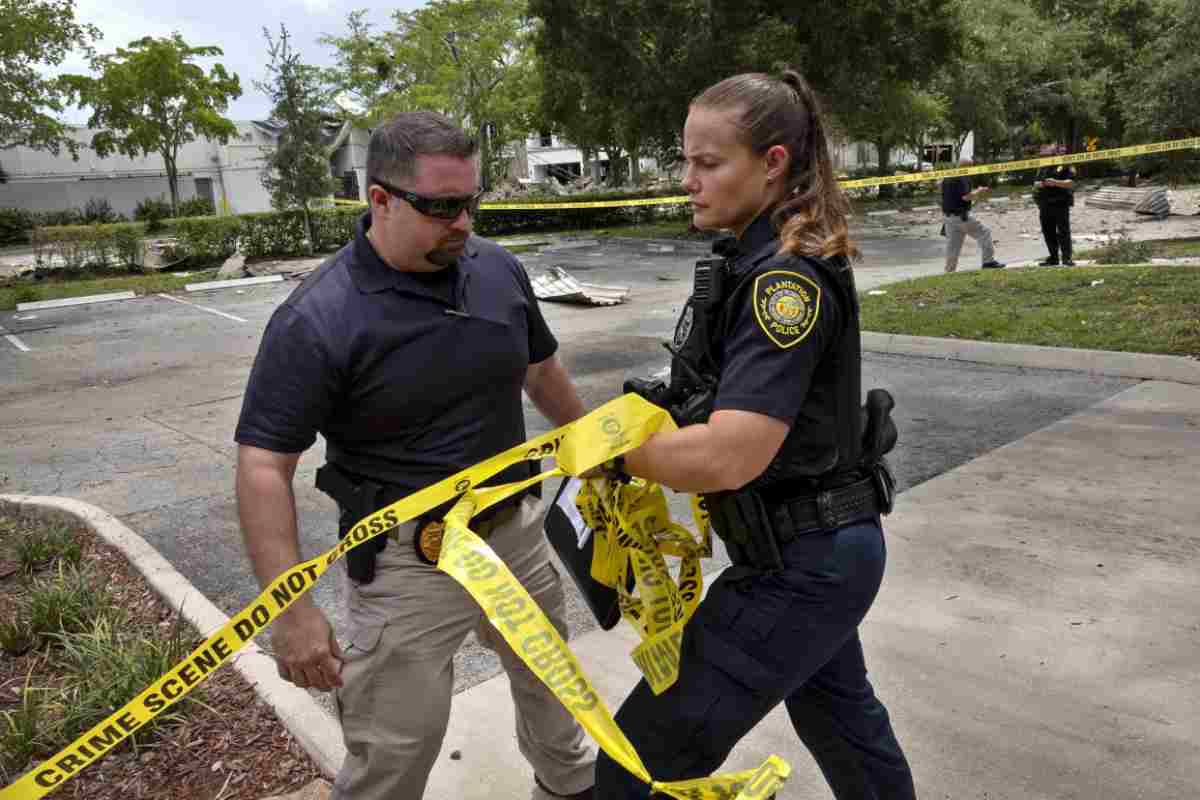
x: 780, y: 321
x: 953, y: 190
x: 410, y: 378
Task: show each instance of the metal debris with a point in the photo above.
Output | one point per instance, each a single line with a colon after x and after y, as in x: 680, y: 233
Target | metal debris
x: 556, y: 285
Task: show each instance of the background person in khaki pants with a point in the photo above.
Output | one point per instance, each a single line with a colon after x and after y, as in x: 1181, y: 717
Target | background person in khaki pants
x: 957, y: 197
x: 408, y: 352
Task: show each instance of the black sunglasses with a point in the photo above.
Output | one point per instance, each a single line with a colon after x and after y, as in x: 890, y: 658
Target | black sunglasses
x: 444, y: 208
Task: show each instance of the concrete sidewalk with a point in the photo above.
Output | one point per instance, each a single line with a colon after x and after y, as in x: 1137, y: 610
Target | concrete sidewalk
x: 1036, y: 636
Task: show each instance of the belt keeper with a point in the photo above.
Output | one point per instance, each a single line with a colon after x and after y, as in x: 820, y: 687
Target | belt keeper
x: 825, y: 509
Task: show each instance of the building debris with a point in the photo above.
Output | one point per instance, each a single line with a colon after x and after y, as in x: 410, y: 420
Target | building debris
x: 1153, y: 201
x: 556, y: 285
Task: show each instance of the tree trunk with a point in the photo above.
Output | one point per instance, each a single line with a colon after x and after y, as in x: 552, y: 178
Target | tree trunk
x: 172, y: 182
x: 485, y: 163
x: 884, y: 151
x: 308, y: 227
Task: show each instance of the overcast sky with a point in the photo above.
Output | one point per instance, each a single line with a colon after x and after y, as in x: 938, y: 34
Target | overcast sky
x: 233, y: 25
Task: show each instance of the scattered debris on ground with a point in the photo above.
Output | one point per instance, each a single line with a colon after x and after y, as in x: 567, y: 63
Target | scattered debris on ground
x: 556, y: 285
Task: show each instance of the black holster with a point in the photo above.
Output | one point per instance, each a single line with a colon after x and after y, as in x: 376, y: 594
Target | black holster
x: 356, y: 499
x: 742, y: 521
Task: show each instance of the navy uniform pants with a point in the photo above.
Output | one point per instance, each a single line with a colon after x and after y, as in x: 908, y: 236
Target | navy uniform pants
x: 1056, y: 230
x: 756, y: 641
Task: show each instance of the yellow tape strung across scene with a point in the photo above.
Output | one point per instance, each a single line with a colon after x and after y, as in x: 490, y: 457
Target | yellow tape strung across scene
x: 916, y: 177
x: 615, y: 428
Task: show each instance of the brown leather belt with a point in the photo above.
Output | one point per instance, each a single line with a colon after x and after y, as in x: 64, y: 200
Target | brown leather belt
x: 427, y: 537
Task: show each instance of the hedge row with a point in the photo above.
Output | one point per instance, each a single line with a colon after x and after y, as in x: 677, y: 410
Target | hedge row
x: 78, y: 246
x: 199, y: 241
x: 206, y: 241
x: 17, y: 224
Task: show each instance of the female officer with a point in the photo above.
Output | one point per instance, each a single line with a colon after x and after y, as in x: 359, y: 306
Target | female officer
x: 773, y: 337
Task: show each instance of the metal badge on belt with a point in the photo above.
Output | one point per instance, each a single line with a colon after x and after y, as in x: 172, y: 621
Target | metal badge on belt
x: 428, y: 540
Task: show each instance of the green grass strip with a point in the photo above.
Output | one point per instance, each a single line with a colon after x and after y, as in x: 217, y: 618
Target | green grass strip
x: 28, y: 290
x: 1141, y: 309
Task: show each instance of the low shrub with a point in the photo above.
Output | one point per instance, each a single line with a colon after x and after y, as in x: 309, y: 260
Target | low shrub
x: 274, y: 233
x: 1124, y: 251
x: 152, y: 211
x: 206, y: 241
x: 335, y: 227
x: 195, y: 207
x: 79, y: 246
x: 15, y: 225
x: 98, y: 211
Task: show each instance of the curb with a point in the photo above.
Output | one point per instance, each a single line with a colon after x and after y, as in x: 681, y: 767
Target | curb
x: 297, y: 710
x: 1144, y: 366
x: 65, y: 302
x: 229, y: 284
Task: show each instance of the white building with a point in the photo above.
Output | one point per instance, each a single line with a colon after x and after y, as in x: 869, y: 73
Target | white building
x: 548, y: 156
x: 226, y: 174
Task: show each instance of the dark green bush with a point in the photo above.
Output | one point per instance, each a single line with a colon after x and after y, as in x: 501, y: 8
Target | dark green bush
x: 274, y: 233
x: 335, y: 227
x: 48, y: 219
x: 153, y: 211
x: 15, y: 225
x: 99, y: 211
x: 195, y: 207
x: 205, y: 241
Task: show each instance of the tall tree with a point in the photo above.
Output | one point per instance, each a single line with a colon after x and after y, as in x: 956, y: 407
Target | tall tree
x: 635, y: 64
x: 1162, y: 102
x: 35, y: 35
x: 897, y: 114
x: 296, y: 169
x: 151, y: 98
x: 623, y: 71
x: 468, y: 59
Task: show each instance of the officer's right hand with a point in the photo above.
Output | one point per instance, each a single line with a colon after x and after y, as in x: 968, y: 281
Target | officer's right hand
x: 306, y: 653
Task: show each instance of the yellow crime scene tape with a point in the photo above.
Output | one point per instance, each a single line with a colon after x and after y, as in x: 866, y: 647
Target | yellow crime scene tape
x: 611, y: 430
x: 916, y: 177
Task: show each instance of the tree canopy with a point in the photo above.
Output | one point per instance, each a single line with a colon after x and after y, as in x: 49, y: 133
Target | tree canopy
x: 151, y: 98
x: 467, y: 59
x: 36, y: 35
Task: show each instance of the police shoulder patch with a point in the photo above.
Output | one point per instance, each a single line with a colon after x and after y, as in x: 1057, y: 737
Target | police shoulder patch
x: 786, y: 306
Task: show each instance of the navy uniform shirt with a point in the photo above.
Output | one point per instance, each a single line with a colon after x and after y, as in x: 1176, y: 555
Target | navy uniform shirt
x: 1055, y: 196
x: 780, y: 323
x: 953, y: 190
x: 409, y: 377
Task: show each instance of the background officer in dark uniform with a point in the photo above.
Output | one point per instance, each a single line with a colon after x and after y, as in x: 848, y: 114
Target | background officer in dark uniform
x: 408, y: 351
x: 1054, y: 193
x: 766, y: 386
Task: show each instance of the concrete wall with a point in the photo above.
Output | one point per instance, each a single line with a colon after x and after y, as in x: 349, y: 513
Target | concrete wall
x: 42, y: 181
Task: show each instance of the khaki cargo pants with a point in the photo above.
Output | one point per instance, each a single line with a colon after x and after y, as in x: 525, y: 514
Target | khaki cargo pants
x: 405, y: 627
x: 957, y: 230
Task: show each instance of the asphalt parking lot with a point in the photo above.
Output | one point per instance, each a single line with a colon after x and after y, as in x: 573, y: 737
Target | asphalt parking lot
x: 132, y: 405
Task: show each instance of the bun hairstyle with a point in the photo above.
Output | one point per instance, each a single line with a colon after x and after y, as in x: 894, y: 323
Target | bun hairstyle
x: 784, y: 110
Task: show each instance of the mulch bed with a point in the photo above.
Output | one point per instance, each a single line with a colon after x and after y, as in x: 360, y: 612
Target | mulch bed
x: 238, y: 750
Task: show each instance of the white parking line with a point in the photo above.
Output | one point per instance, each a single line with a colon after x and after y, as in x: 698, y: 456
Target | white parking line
x: 17, y: 343
x: 203, y: 308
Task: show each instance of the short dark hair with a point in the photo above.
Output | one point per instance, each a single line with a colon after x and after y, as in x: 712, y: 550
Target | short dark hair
x: 395, y: 145
x: 785, y: 111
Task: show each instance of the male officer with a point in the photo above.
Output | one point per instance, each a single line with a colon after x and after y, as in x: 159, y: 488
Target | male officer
x: 957, y: 196
x: 408, y: 351
x: 1054, y: 193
